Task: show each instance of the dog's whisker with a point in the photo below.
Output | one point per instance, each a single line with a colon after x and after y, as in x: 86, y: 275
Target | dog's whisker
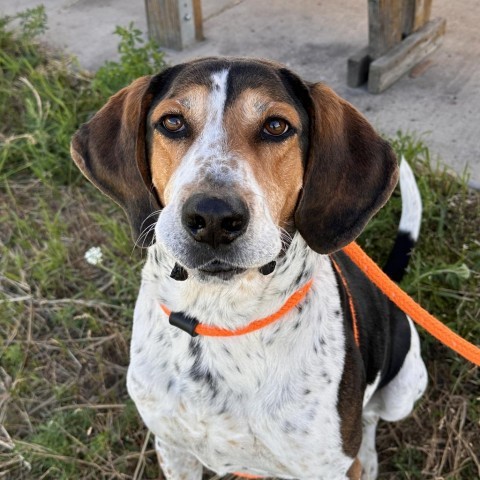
x: 143, y: 236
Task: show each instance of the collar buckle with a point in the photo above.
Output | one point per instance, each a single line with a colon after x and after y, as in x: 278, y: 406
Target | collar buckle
x: 184, y: 322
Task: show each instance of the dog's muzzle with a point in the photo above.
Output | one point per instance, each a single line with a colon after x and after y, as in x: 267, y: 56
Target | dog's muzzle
x: 214, y: 224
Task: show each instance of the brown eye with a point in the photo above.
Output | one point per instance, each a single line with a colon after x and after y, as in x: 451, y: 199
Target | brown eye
x: 173, y: 123
x: 276, y: 126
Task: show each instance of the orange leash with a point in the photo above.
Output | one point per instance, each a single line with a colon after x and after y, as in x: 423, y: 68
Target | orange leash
x: 209, y: 331
x: 427, y: 321
x: 353, y: 313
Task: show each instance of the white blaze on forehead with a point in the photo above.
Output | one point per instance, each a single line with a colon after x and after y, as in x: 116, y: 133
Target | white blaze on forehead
x: 208, y: 150
x: 213, y: 129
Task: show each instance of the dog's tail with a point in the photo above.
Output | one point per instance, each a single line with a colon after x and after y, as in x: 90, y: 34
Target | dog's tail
x: 409, y: 227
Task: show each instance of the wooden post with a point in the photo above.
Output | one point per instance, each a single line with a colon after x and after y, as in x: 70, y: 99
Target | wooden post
x: 174, y: 23
x: 416, y: 15
x: 400, y: 36
x: 384, y: 25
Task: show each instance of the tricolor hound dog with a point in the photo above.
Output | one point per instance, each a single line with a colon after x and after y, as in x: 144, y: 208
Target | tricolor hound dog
x: 246, y: 182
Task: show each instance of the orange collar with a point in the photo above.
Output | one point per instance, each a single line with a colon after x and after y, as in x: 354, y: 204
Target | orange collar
x: 194, y: 327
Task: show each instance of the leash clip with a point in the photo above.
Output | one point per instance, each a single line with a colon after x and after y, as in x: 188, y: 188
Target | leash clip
x: 183, y: 322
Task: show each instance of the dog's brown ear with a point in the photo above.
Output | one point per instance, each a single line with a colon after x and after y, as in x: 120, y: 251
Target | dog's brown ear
x: 110, y: 152
x: 350, y: 173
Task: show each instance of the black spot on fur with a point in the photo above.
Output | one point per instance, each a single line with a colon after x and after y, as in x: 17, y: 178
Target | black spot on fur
x: 307, y: 391
x: 223, y: 409
x: 288, y: 427
x: 170, y: 384
x: 301, y: 275
x: 138, y: 350
x: 297, y: 324
x: 198, y: 371
x: 195, y: 348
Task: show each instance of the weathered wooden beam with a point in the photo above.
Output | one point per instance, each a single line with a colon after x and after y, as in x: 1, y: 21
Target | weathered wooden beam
x: 357, y: 68
x: 174, y: 23
x: 387, y: 69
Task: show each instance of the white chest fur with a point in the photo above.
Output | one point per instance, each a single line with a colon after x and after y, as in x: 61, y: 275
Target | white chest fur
x: 264, y: 403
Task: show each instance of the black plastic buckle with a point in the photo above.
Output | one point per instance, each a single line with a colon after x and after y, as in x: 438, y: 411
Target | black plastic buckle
x: 184, y: 322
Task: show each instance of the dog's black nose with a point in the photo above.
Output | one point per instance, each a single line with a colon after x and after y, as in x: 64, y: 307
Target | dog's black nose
x: 215, y: 221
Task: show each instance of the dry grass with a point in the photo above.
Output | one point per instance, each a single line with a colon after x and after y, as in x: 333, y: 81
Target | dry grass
x: 65, y: 327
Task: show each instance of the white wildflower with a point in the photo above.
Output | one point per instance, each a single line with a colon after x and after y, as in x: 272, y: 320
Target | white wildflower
x: 94, y: 255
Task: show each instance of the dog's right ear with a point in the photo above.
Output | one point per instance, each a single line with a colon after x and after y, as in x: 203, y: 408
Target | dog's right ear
x: 110, y: 150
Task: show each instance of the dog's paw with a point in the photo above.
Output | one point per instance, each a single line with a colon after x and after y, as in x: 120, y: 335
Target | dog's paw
x: 370, y: 468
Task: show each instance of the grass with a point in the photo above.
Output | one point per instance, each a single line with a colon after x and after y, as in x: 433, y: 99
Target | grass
x: 65, y: 324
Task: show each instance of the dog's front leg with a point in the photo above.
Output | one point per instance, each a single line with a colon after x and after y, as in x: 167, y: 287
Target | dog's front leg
x: 177, y: 464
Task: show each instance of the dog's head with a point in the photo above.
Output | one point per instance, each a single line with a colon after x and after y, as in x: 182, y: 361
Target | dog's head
x: 233, y: 153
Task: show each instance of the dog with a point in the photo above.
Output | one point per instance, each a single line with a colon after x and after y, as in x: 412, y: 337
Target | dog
x: 246, y: 182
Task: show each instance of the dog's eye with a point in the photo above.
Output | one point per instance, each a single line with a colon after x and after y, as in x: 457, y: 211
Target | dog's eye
x: 173, y: 123
x: 276, y: 127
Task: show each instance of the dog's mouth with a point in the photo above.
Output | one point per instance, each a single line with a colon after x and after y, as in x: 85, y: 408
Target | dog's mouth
x: 219, y: 269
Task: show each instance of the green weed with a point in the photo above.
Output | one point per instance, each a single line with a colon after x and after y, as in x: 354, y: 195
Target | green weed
x: 137, y: 58
x: 45, y: 96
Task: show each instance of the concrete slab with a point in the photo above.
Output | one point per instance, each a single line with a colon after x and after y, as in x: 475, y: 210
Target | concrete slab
x: 315, y: 38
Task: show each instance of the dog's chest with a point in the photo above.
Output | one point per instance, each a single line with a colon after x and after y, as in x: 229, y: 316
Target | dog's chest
x: 263, y: 404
